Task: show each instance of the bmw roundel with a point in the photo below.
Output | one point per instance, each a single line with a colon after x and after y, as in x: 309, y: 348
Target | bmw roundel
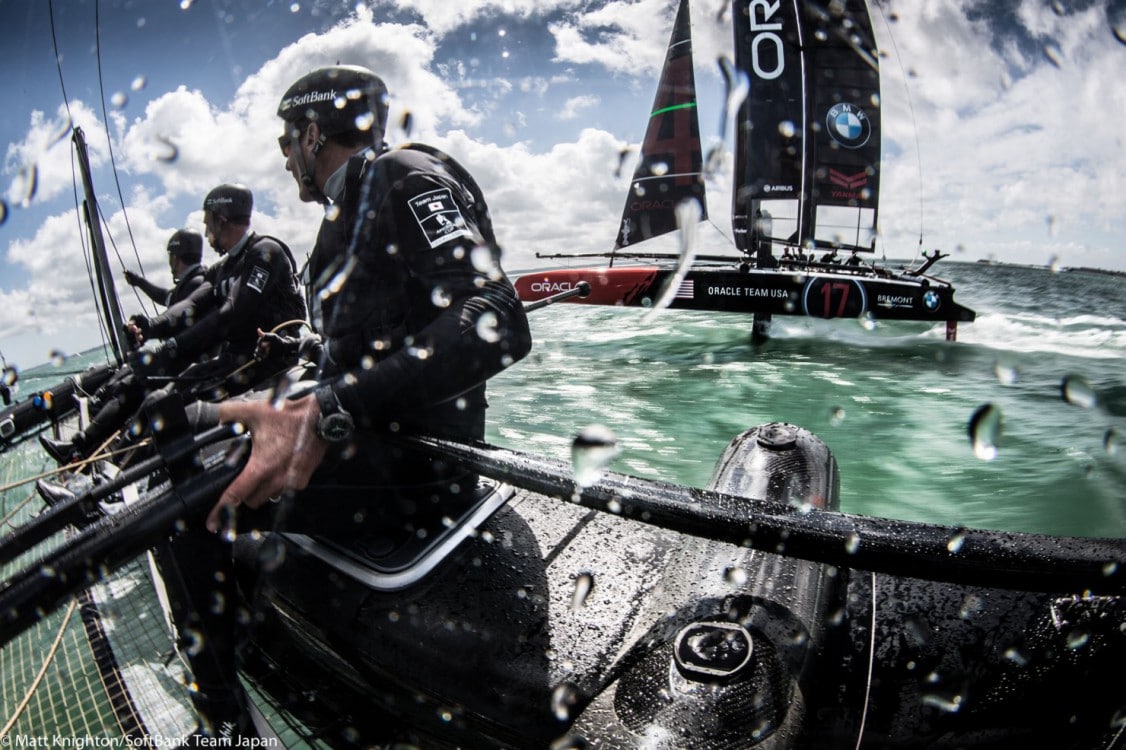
x: 931, y: 299
x: 848, y: 125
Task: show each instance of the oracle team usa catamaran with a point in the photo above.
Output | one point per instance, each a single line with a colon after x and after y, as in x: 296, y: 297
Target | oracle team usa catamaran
x: 805, y: 194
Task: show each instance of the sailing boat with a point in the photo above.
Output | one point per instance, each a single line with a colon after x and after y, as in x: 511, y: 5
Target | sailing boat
x: 806, y: 185
x: 623, y: 612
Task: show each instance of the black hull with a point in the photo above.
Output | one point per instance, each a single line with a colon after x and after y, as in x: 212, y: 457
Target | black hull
x: 813, y: 290
x: 503, y: 644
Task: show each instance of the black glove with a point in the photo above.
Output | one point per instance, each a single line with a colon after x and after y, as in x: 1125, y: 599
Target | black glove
x: 153, y: 357
x: 276, y: 345
x: 142, y: 324
x: 131, y: 278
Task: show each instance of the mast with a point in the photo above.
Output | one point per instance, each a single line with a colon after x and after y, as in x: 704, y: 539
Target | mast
x: 670, y: 169
x: 105, y: 291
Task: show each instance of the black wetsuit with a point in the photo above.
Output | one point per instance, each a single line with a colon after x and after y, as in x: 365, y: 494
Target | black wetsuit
x: 405, y: 288
x: 215, y: 333
x: 188, y: 282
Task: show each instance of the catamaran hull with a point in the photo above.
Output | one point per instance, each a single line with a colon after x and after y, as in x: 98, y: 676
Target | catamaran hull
x: 815, y: 294
x: 49, y: 405
x: 552, y: 620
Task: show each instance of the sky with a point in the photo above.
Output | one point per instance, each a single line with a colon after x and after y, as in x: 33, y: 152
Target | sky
x: 1002, y: 119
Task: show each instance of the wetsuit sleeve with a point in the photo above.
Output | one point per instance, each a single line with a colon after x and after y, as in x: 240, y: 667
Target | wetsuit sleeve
x: 477, y: 324
x: 157, y: 294
x: 245, y: 308
x: 183, y: 314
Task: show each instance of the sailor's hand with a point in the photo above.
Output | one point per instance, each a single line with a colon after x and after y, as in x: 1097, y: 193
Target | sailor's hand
x: 131, y: 278
x: 284, y: 452
x: 138, y: 329
x: 270, y: 343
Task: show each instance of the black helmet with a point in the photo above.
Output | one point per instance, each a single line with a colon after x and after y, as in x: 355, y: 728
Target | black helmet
x: 187, y: 245
x: 230, y: 201
x: 340, y: 99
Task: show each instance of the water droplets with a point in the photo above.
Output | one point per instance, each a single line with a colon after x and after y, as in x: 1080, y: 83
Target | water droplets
x: 836, y: 416
x: 488, y: 327
x: 584, y: 584
x: 985, y: 431
x: 1006, y: 372
x: 1077, y: 391
x: 592, y: 451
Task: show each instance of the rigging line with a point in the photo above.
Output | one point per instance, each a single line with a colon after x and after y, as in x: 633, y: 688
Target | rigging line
x: 58, y: 59
x: 109, y: 139
x: 50, y: 657
x: 914, y: 123
x: 120, y: 262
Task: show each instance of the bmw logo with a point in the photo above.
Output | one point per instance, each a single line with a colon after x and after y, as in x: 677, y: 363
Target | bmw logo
x: 848, y: 125
x: 931, y: 299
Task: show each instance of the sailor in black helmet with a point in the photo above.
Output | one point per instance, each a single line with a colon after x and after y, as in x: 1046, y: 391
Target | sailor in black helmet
x: 415, y: 314
x: 206, y: 342
x: 185, y: 253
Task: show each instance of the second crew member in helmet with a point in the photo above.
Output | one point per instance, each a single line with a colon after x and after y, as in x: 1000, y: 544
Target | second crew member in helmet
x: 185, y: 255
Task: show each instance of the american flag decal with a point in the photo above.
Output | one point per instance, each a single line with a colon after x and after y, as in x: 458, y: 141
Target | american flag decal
x: 687, y: 290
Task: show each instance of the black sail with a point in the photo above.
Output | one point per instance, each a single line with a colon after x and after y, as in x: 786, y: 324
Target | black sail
x: 670, y: 169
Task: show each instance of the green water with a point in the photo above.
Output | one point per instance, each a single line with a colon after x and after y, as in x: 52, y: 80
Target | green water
x: 893, y: 404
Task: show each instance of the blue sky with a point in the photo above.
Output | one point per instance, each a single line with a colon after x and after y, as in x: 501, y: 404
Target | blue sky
x: 1009, y: 145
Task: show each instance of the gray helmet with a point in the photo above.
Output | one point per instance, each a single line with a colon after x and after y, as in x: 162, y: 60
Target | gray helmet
x: 230, y: 201
x: 187, y: 245
x: 340, y: 99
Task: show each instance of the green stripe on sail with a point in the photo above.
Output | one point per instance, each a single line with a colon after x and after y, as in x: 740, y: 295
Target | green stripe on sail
x: 673, y: 107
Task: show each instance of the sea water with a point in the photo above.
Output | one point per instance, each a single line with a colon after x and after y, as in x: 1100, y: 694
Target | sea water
x: 895, y: 402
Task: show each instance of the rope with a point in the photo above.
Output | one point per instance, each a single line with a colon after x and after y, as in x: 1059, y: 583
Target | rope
x: 99, y: 455
x: 42, y: 670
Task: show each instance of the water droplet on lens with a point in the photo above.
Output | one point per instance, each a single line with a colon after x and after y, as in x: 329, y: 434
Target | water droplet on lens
x: 1076, y: 390
x: 440, y: 298
x: 1006, y: 373
x: 563, y: 699
x: 836, y: 416
x: 592, y: 450
x: 735, y: 575
x: 1054, y: 54
x: 786, y: 129
x: 3, y: 210
x: 659, y: 168
x: 954, y: 544
x: 852, y: 544
x: 487, y: 327
x: 138, y: 83
x: 1112, y: 442
x: 985, y: 431
x: 365, y: 120
x: 584, y: 583
x: 57, y: 358
x: 119, y: 99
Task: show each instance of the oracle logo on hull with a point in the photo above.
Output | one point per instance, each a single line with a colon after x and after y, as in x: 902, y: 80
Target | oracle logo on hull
x: 550, y: 287
x: 765, y: 42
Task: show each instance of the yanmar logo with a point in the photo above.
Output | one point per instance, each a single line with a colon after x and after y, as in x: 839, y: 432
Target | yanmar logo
x: 850, y: 181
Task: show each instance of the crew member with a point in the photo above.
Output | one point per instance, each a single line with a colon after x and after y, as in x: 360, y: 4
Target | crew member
x: 185, y: 254
x: 406, y: 290
x: 207, y: 340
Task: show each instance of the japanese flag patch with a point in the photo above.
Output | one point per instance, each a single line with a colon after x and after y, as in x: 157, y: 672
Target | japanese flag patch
x: 258, y: 278
x: 438, y: 216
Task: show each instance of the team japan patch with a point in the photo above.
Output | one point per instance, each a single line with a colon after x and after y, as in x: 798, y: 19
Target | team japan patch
x: 258, y: 278
x: 438, y: 216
